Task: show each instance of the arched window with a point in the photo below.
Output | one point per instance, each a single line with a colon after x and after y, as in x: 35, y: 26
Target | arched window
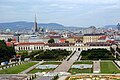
x: 34, y: 48
x: 18, y: 48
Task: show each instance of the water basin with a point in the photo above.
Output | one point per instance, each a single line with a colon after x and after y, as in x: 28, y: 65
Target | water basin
x: 82, y: 66
x: 50, y: 66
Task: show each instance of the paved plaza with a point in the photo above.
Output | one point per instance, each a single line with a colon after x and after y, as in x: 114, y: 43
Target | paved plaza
x: 65, y: 66
x: 96, y: 66
x: 44, y: 78
x: 13, y: 77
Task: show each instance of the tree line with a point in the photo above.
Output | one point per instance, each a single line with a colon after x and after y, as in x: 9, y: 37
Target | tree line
x: 56, y: 54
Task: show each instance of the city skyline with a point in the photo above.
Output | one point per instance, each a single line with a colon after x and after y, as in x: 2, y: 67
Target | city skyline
x: 80, y: 13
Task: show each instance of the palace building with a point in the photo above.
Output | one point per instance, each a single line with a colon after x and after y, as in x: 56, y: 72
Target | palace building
x: 78, y: 46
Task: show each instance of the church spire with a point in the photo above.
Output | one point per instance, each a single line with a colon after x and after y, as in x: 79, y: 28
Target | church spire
x: 35, y: 17
x: 118, y: 26
x: 35, y: 24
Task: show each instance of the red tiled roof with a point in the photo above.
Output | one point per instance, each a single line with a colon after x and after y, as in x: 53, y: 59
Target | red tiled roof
x: 29, y: 43
x: 98, y: 43
x: 102, y: 38
x: 53, y: 32
x: 54, y: 36
x: 60, y: 44
x: 110, y: 41
x: 62, y: 40
x: 13, y: 39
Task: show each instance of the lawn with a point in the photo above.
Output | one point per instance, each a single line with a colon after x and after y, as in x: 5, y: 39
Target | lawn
x: 108, y: 67
x: 17, y: 69
x: 77, y: 71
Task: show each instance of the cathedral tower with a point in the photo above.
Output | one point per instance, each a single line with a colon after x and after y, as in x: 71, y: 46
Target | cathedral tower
x: 35, y: 25
x: 118, y: 26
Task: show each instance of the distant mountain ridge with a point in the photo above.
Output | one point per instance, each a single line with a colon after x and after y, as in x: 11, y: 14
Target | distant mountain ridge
x: 111, y: 26
x: 23, y: 25
x: 28, y: 25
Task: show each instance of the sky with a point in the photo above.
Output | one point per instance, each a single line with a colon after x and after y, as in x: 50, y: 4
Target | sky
x: 80, y: 13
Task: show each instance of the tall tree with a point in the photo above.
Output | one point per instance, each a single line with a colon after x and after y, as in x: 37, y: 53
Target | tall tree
x: 112, y: 50
x: 9, y: 40
x: 51, y: 40
x: 6, y: 52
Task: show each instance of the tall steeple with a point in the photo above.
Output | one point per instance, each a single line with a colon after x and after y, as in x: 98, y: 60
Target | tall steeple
x: 35, y: 25
x: 118, y: 26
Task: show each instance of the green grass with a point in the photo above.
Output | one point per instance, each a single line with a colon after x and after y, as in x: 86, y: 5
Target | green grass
x: 17, y: 69
x: 51, y: 63
x: 77, y: 71
x: 40, y: 70
x: 109, y: 67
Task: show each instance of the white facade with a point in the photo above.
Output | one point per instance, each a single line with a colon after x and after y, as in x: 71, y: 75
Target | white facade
x: 6, y: 37
x: 31, y: 47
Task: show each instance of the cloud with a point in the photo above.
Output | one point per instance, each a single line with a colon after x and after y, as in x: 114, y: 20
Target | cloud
x: 65, y: 11
x: 103, y: 9
x: 90, y: 1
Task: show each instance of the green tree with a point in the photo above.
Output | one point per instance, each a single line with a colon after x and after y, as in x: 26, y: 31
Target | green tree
x: 51, y: 55
x: 51, y: 40
x: 112, y: 50
x: 9, y: 40
x: 118, y: 49
x: 96, y: 54
x: 6, y: 52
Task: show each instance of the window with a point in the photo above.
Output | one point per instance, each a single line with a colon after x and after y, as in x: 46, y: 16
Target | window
x: 18, y: 48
